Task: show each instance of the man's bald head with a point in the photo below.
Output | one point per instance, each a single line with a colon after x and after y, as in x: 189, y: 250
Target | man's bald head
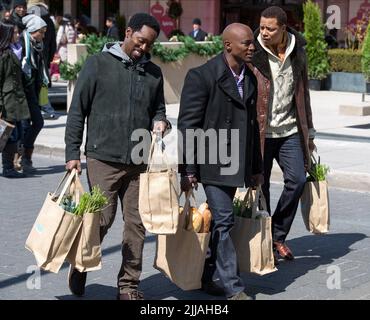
x: 235, y: 30
x: 238, y: 42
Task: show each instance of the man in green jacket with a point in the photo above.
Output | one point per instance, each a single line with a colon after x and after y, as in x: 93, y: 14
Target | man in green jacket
x: 118, y: 91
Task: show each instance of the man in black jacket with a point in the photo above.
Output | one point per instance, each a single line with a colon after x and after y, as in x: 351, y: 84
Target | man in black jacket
x: 19, y: 11
x: 117, y: 91
x: 197, y: 34
x: 112, y: 30
x: 219, y: 101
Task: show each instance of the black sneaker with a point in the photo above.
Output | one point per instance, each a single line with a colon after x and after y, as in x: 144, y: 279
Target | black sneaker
x: 240, y: 296
x: 76, y: 281
x: 12, y: 173
x: 212, y: 288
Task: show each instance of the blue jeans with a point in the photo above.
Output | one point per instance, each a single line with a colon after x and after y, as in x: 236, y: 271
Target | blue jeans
x: 288, y: 153
x: 16, y: 134
x: 223, y: 255
x: 32, y: 126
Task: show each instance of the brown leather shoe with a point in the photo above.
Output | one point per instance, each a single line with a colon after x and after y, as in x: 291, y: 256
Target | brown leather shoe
x: 131, y: 295
x: 283, y: 250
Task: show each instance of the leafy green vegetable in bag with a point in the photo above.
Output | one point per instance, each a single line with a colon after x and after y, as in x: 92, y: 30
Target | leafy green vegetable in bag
x: 68, y: 204
x: 318, y: 171
x: 240, y: 209
x: 91, y: 202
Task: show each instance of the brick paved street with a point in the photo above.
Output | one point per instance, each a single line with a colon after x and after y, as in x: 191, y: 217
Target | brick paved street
x: 346, y: 246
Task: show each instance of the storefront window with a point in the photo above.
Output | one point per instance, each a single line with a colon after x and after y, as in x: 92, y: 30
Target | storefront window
x: 84, y: 11
x: 111, y: 8
x: 56, y: 7
x: 249, y: 11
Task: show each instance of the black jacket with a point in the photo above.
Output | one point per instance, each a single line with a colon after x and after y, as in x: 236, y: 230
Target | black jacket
x: 116, y: 98
x: 113, y: 32
x: 16, y: 19
x: 210, y: 100
x: 201, y: 35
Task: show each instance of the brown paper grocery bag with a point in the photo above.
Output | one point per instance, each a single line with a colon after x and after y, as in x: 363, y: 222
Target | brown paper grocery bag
x: 315, y: 207
x: 181, y: 256
x: 85, y: 254
x: 54, y: 230
x: 159, y: 198
x: 252, y: 238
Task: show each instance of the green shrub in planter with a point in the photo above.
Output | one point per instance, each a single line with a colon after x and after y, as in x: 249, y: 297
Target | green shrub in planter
x: 366, y: 55
x: 345, y: 60
x: 316, y: 47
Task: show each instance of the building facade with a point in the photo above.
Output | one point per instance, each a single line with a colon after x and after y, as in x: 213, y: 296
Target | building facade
x: 214, y: 14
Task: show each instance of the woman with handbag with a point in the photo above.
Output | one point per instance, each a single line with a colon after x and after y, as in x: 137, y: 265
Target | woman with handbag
x: 13, y: 103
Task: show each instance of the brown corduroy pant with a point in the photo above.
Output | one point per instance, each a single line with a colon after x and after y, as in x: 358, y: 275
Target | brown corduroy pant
x: 119, y: 181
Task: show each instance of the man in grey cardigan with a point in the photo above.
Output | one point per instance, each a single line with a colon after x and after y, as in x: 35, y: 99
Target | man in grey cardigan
x: 284, y: 116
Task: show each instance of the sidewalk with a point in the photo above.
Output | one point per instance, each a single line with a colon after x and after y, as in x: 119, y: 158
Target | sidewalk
x: 343, y: 142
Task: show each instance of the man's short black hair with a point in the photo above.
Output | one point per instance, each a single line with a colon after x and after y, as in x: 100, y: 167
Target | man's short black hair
x: 275, y: 12
x: 112, y: 19
x: 197, y: 21
x: 139, y: 20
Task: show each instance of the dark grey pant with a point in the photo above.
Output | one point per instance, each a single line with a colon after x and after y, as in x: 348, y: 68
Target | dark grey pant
x: 120, y: 181
x: 223, y: 255
x: 288, y: 153
x: 32, y: 126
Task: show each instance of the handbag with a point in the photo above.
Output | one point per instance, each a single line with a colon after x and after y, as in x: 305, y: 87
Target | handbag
x: 55, y: 229
x: 85, y: 254
x: 252, y: 237
x: 181, y: 256
x: 6, y: 129
x: 43, y: 95
x: 315, y: 206
x: 159, y: 195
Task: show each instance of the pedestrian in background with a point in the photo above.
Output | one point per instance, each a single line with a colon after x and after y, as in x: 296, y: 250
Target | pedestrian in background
x: 39, y: 8
x: 19, y: 11
x: 13, y: 104
x: 35, y: 77
x: 284, y: 116
x: 66, y: 34
x: 112, y: 30
x: 198, y: 34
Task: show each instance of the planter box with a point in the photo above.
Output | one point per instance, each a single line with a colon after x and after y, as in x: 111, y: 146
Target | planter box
x: 345, y: 81
x: 315, y: 84
x: 173, y: 72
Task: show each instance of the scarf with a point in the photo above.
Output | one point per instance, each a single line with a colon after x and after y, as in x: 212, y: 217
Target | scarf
x: 17, y: 49
x: 33, y: 59
x: 279, y: 51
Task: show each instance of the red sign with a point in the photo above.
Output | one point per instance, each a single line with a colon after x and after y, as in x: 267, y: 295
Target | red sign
x: 158, y: 11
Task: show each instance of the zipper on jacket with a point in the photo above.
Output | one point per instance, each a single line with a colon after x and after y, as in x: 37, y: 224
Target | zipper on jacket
x: 130, y: 120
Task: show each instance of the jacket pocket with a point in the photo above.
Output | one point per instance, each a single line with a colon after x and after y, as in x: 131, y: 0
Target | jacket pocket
x: 8, y: 85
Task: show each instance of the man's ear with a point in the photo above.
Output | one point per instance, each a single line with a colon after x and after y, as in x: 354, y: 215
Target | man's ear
x: 227, y: 45
x: 128, y: 32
